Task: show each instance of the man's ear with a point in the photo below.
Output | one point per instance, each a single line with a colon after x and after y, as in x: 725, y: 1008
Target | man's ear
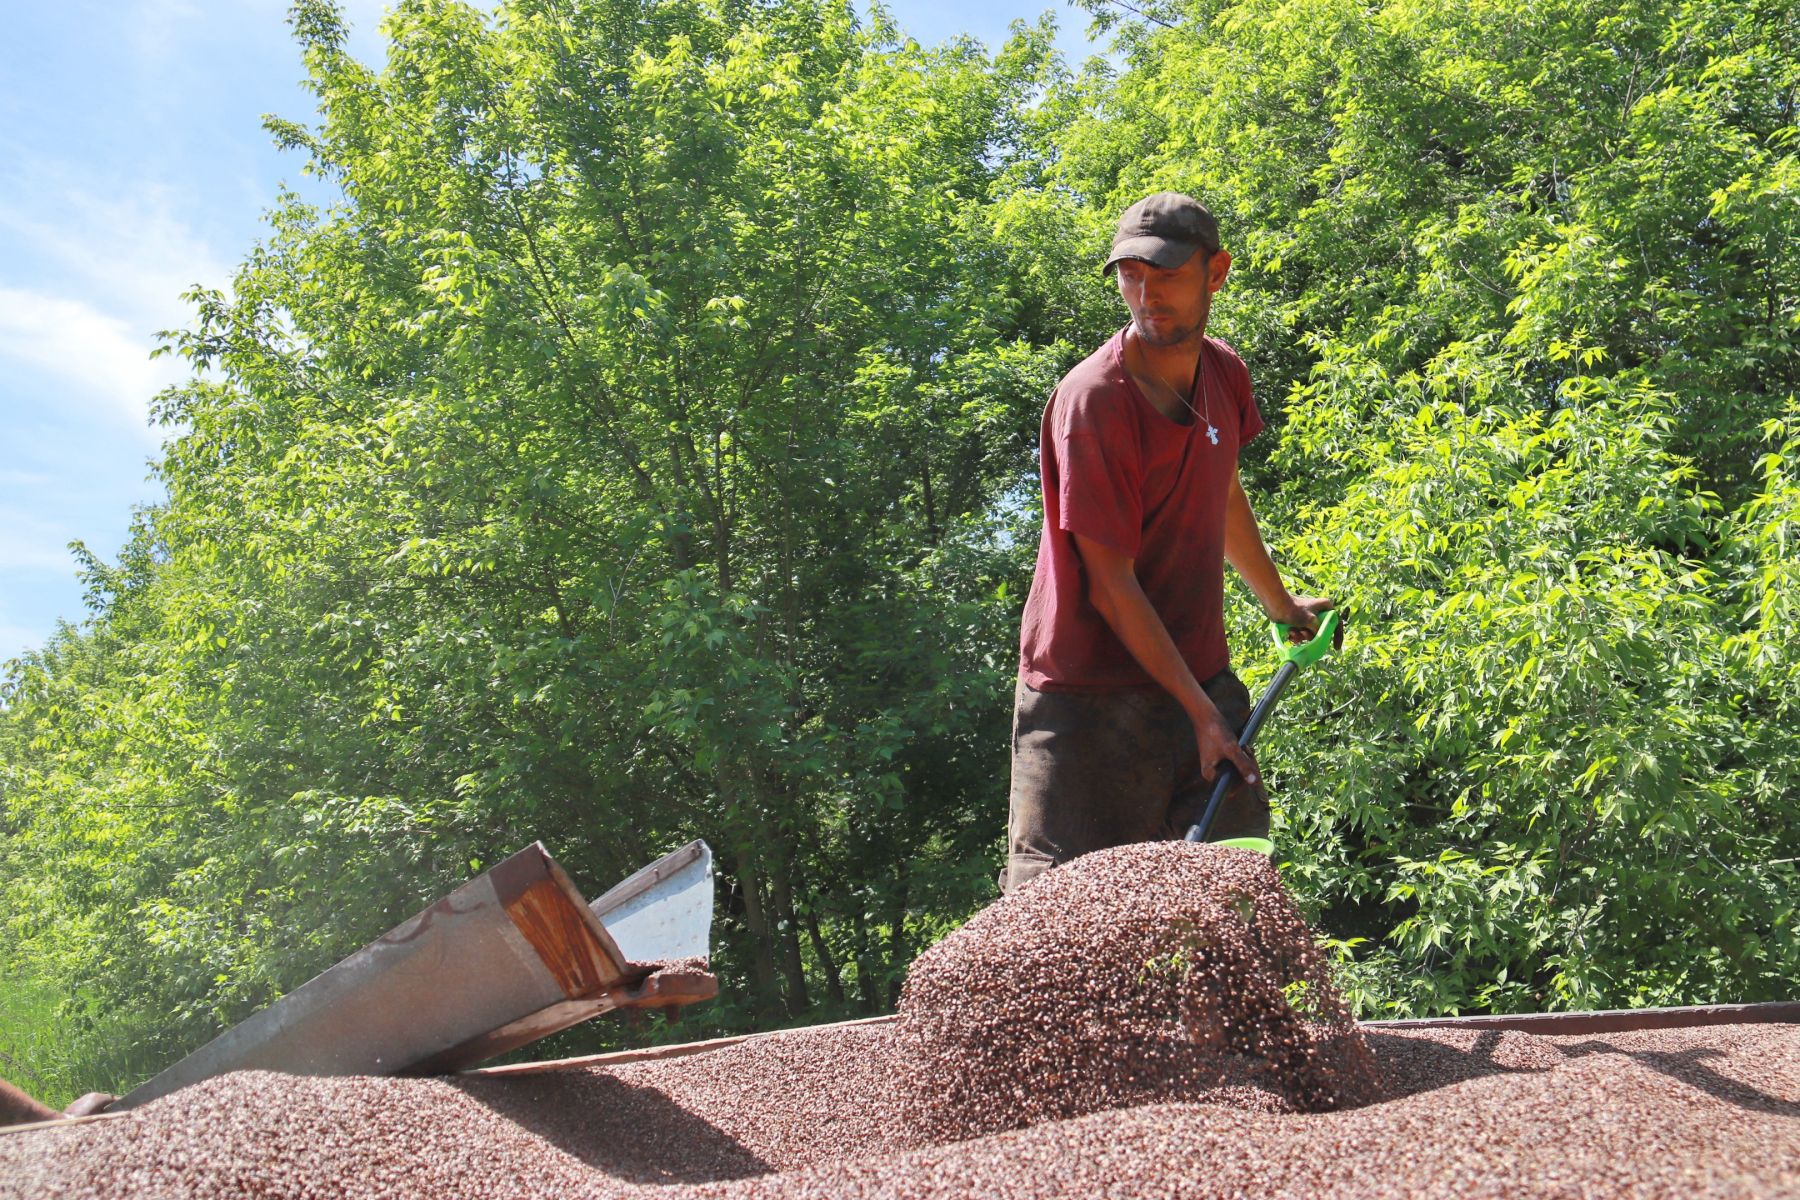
x: 1217, y: 267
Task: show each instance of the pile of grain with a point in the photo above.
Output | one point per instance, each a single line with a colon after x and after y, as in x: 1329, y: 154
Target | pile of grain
x: 1154, y: 981
x: 1665, y: 1115
x: 1168, y: 971
x: 784, y: 1100
x: 255, y: 1133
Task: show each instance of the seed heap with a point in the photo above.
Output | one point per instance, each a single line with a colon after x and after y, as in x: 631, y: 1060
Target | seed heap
x: 1170, y: 974
x: 787, y: 1100
x: 1165, y: 971
x: 1675, y: 1113
x: 256, y: 1133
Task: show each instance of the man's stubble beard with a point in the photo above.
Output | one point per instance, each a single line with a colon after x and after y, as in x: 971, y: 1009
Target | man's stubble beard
x: 1192, y: 333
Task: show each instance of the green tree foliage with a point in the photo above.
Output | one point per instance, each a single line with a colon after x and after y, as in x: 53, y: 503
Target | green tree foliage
x: 1520, y: 279
x: 640, y: 450
x: 617, y: 464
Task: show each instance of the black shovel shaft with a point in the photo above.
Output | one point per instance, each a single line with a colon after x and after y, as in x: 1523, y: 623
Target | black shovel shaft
x: 1227, y: 772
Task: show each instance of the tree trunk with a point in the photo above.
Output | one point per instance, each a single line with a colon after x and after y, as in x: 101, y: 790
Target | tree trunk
x: 768, y: 986
x: 865, y: 974
x: 781, y: 904
x: 834, y: 980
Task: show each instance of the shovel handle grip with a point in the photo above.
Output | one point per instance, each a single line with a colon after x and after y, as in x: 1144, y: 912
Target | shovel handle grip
x: 1329, y: 637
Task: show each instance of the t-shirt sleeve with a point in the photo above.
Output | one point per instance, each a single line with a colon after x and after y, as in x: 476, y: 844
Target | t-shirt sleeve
x: 1100, y: 473
x: 1250, y: 421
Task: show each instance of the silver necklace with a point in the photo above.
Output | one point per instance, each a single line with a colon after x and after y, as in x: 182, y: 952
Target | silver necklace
x: 1196, y: 384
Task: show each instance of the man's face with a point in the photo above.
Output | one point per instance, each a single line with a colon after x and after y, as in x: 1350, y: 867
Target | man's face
x: 1169, y: 305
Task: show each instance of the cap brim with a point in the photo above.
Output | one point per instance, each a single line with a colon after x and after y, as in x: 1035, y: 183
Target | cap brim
x: 1159, y: 251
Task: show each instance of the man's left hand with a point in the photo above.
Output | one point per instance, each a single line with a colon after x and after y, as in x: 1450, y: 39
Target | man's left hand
x: 1303, y: 615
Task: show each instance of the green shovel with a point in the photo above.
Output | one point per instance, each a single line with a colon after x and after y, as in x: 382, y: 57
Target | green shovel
x: 1294, y: 655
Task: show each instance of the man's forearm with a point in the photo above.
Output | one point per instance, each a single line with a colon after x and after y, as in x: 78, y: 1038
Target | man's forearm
x: 1131, y: 616
x: 1249, y: 557
x: 1114, y: 591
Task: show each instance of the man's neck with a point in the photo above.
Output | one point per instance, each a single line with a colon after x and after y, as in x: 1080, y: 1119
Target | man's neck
x: 1167, y: 370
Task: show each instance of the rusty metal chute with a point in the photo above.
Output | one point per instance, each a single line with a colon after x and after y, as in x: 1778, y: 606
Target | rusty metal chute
x: 513, y: 955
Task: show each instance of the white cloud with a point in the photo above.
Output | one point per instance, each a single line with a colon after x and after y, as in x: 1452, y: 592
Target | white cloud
x: 93, y: 262
x: 88, y: 280
x: 135, y: 251
x: 30, y: 544
x: 101, y: 356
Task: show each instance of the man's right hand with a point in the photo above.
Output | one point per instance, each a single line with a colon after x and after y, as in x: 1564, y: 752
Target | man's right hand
x: 1218, y: 744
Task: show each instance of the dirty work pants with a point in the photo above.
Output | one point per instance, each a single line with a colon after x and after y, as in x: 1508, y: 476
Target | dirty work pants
x: 1093, y: 770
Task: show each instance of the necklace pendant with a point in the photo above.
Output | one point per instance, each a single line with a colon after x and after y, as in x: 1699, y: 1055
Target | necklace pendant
x: 1212, y: 435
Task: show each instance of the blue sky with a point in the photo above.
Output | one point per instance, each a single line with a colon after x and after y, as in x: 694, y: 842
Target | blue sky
x: 133, y: 165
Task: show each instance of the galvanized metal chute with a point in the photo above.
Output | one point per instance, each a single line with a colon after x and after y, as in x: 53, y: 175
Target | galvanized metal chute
x: 512, y: 956
x: 663, y: 911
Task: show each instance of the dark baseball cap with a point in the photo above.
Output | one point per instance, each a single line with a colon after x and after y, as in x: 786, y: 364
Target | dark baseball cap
x: 1164, y: 229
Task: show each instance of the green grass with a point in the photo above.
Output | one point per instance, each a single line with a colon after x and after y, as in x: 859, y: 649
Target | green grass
x: 34, y: 1053
x: 53, y: 1050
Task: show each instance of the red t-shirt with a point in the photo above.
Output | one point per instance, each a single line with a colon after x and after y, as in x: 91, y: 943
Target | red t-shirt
x: 1116, y: 470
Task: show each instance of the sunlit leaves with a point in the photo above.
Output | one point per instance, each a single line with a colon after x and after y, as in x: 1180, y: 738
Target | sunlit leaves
x: 1516, y: 284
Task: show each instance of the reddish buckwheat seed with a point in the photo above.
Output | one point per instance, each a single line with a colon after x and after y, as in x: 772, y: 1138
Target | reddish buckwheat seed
x: 1152, y: 1021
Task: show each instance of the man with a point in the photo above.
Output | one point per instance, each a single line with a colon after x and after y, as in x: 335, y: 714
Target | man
x: 1126, y: 704
x: 18, y: 1108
